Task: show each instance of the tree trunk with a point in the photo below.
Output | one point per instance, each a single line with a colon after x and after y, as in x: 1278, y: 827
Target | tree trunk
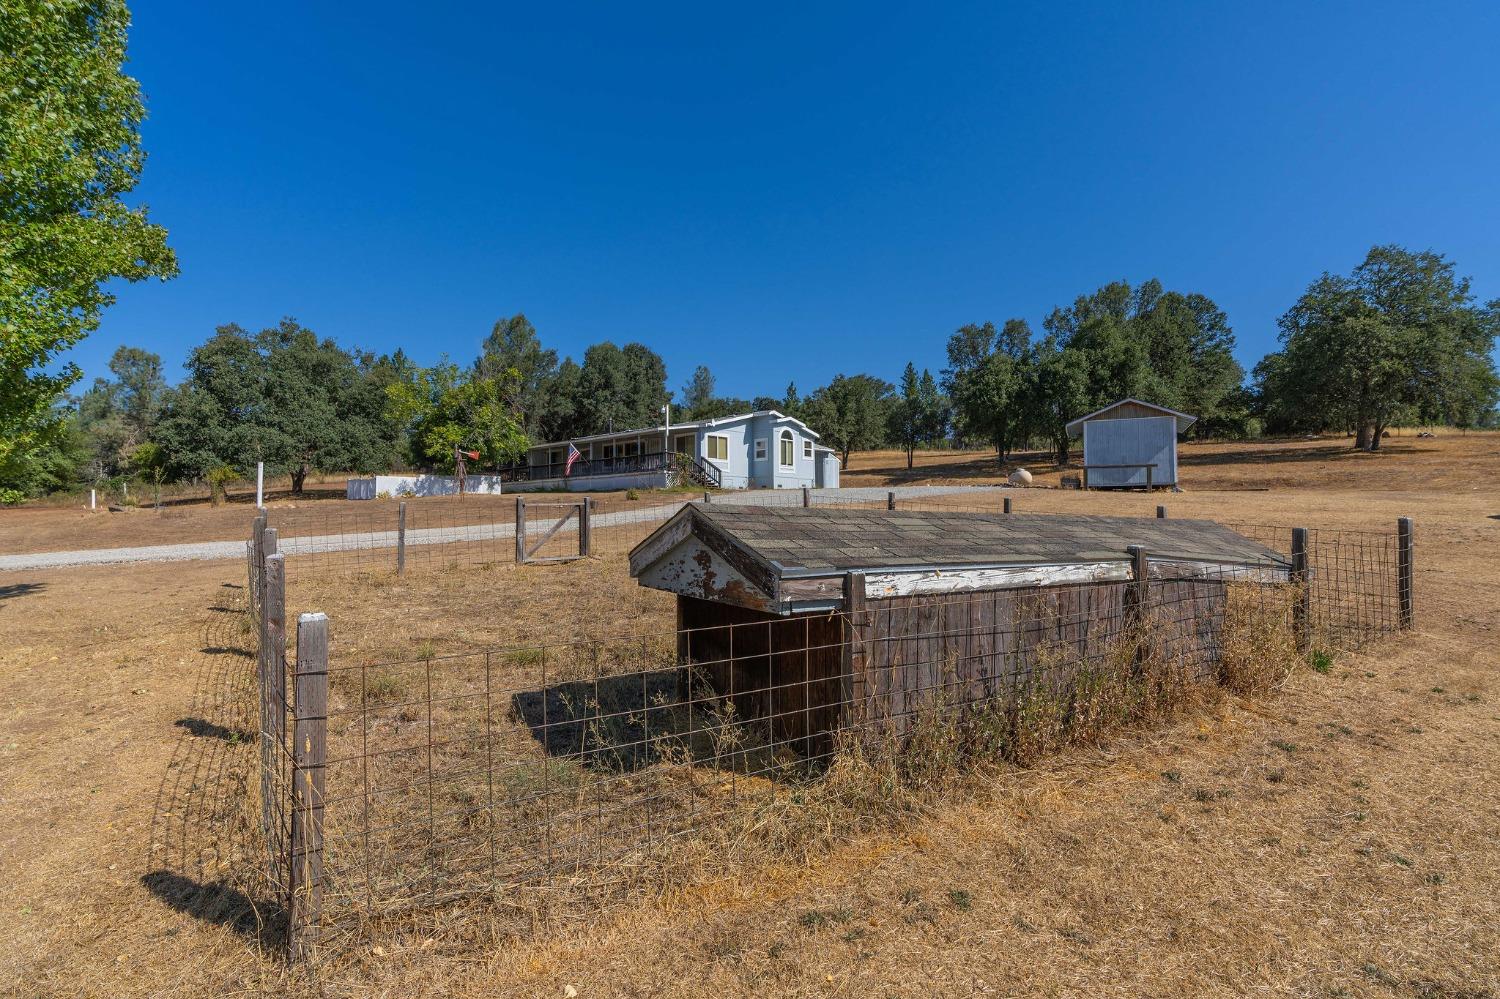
x: 1064, y: 446
x: 1362, y: 436
x: 1375, y: 437
x: 299, y: 476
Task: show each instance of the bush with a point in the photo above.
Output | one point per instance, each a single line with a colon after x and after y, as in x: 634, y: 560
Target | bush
x: 12, y: 497
x: 218, y: 479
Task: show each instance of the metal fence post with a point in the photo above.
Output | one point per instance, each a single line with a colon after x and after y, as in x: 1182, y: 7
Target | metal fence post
x: 1302, y: 608
x: 1405, y: 550
x: 401, y: 539
x: 309, y: 754
x: 585, y: 530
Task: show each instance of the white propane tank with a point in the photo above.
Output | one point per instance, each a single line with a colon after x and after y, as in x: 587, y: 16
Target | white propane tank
x: 1020, y: 477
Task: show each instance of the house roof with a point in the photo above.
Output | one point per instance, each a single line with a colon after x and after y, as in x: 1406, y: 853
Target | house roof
x: 676, y: 427
x: 794, y: 558
x: 1184, y: 420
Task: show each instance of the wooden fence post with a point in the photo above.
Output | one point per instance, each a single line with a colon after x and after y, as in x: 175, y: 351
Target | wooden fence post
x: 309, y: 754
x: 1302, y: 609
x: 1006, y: 506
x: 853, y: 678
x: 806, y: 496
x: 1405, y: 550
x: 708, y: 497
x: 1140, y: 578
x: 272, y: 667
x: 585, y: 534
x: 1161, y: 513
x: 890, y: 501
x: 401, y: 539
x: 520, y: 530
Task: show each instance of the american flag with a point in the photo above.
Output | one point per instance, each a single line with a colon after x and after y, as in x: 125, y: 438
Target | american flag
x: 573, y: 455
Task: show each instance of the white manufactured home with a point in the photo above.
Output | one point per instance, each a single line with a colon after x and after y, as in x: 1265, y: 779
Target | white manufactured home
x: 761, y: 450
x: 1130, y: 444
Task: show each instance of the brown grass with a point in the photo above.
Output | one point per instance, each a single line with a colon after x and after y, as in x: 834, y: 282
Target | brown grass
x: 1335, y: 837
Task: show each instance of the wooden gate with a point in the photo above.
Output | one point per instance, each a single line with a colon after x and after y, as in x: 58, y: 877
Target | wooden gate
x: 569, y: 511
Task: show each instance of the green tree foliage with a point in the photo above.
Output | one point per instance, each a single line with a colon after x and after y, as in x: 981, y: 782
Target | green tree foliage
x: 1166, y: 347
x: 619, y: 388
x: 115, y: 417
x: 985, y: 373
x: 443, y: 409
x: 1401, y: 336
x: 697, y: 394
x: 69, y: 152
x: 919, y: 415
x: 1055, y: 391
x: 281, y: 396
x: 850, y: 413
x: 513, y: 347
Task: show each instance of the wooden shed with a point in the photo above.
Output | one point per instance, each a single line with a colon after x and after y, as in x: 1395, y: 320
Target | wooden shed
x: 818, y: 619
x: 1130, y: 444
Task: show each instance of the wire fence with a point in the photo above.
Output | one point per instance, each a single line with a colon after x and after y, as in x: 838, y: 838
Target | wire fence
x: 582, y: 769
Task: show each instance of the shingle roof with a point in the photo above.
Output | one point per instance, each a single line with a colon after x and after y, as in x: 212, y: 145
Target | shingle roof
x: 810, y: 541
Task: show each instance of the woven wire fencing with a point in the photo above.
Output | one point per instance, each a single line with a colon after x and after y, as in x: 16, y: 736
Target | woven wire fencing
x: 580, y: 768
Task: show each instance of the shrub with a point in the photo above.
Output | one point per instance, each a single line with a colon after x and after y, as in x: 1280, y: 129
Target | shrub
x: 11, y: 497
x: 218, y: 479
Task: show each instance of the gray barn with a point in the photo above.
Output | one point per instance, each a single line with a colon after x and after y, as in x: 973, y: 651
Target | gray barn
x: 815, y: 620
x: 1130, y: 444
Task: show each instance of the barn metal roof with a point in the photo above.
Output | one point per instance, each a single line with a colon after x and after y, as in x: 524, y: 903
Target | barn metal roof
x: 774, y: 550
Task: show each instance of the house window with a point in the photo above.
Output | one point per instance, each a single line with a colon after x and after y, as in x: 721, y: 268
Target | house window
x: 716, y: 446
x: 760, y: 449
x: 807, y: 447
x: 787, y: 449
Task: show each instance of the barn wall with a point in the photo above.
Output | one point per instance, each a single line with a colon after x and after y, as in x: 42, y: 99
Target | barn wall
x: 1120, y: 441
x: 1128, y: 410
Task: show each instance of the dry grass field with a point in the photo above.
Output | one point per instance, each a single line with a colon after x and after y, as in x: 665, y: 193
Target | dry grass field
x: 1338, y: 838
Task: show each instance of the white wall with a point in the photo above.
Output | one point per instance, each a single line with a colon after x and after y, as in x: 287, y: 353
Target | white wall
x: 419, y: 485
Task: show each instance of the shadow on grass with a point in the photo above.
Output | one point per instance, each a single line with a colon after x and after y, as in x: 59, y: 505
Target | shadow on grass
x: 633, y: 721
x: 205, y: 729
x: 20, y: 590
x: 220, y: 903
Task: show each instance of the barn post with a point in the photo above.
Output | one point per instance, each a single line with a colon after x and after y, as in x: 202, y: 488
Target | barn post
x: 854, y: 653
x: 890, y: 501
x: 585, y: 535
x: 520, y: 530
x: 401, y: 539
x: 1149, y: 470
x: 309, y: 755
x: 1405, y: 549
x: 1302, y: 608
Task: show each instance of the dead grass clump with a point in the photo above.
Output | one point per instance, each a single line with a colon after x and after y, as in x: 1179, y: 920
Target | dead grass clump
x: 1257, y: 644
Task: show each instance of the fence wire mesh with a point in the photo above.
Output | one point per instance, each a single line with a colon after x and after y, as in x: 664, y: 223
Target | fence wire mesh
x: 584, y: 765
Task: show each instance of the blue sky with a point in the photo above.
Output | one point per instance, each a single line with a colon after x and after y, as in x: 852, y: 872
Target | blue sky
x: 787, y: 191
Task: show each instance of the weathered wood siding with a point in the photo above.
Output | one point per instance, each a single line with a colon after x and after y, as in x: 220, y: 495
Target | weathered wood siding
x: 918, y: 653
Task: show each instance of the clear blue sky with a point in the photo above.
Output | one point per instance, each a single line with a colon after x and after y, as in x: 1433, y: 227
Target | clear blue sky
x: 783, y: 192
